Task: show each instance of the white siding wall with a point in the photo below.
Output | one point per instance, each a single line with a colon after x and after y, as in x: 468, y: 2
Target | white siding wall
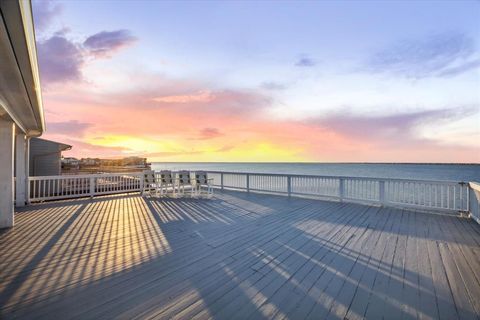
x: 45, y: 158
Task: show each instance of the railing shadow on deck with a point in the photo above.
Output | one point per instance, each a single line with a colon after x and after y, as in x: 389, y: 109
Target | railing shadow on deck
x: 138, y: 280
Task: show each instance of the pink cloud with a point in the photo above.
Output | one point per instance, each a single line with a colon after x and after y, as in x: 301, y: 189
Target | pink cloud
x: 72, y: 127
x: 209, y: 133
x: 201, y: 96
x: 82, y: 149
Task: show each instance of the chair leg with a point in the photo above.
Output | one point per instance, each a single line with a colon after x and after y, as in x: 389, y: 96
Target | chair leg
x: 200, y: 191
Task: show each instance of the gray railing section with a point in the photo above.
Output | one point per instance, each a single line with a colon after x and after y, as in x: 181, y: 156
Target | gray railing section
x: 42, y: 188
x: 421, y: 194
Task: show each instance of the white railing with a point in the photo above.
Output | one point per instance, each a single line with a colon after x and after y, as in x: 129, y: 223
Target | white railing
x: 421, y: 194
x: 76, y: 186
x: 474, y: 203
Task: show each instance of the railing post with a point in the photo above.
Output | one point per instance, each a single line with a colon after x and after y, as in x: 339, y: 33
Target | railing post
x: 465, y: 186
x: 221, y: 180
x: 248, y: 182
x: 289, y: 186
x: 28, y: 190
x: 92, y: 187
x: 469, y: 198
x: 142, y: 181
x: 341, y: 189
x: 381, y: 191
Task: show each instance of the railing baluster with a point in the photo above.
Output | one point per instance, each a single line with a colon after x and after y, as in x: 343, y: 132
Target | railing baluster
x: 289, y: 186
x: 441, y: 196
x: 381, y: 188
x: 341, y: 188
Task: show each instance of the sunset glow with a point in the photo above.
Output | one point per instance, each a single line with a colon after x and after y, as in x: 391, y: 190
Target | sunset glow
x: 247, y: 81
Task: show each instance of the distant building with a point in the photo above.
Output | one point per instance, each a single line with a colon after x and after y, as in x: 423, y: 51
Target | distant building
x: 71, y: 161
x: 70, y: 164
x: 46, y: 157
x: 124, y: 162
x: 134, y: 161
x: 90, y: 162
x: 97, y: 165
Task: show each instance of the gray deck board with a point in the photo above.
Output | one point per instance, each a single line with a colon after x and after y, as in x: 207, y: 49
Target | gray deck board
x: 347, y: 293
x: 428, y: 301
x: 378, y: 298
x: 359, y: 303
x: 236, y: 256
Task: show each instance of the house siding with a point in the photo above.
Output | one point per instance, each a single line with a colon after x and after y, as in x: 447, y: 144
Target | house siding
x: 45, y: 158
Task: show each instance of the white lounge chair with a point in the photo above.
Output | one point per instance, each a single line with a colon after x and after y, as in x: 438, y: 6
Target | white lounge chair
x: 165, y: 183
x: 183, y: 180
x: 203, y: 184
x: 149, y: 183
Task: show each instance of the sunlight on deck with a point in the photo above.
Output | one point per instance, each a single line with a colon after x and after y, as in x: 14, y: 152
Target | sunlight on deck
x: 67, y: 242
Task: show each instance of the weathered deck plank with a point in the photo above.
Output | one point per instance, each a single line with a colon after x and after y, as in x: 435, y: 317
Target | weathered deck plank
x: 238, y: 256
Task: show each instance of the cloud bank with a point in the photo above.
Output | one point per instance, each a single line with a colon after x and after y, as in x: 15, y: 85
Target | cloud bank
x: 45, y: 12
x: 59, y: 59
x: 62, y: 59
x: 445, y: 54
x: 104, y: 43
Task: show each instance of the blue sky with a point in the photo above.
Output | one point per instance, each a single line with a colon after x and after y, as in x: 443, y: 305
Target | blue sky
x: 402, y: 75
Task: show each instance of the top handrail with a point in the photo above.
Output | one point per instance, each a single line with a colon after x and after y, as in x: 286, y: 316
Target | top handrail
x: 338, y: 177
x: 93, y: 175
x: 475, y: 185
x: 139, y: 174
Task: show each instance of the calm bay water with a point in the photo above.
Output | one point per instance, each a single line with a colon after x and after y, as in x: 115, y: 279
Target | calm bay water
x: 452, y: 172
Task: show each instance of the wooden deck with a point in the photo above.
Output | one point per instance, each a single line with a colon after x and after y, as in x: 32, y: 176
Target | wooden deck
x: 236, y: 256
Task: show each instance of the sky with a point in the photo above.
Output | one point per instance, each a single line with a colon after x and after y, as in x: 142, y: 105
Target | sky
x: 276, y: 81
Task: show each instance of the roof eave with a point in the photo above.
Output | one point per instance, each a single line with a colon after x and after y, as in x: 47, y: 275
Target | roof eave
x: 27, y: 19
x: 18, y: 24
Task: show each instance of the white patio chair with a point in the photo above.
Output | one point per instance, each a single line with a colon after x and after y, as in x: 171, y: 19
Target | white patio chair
x: 166, y: 183
x: 183, y: 180
x: 203, y: 184
x: 149, y: 183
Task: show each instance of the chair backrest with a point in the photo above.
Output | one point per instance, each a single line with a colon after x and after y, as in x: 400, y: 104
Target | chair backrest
x: 149, y: 177
x: 201, y: 177
x: 166, y: 177
x: 184, y: 177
